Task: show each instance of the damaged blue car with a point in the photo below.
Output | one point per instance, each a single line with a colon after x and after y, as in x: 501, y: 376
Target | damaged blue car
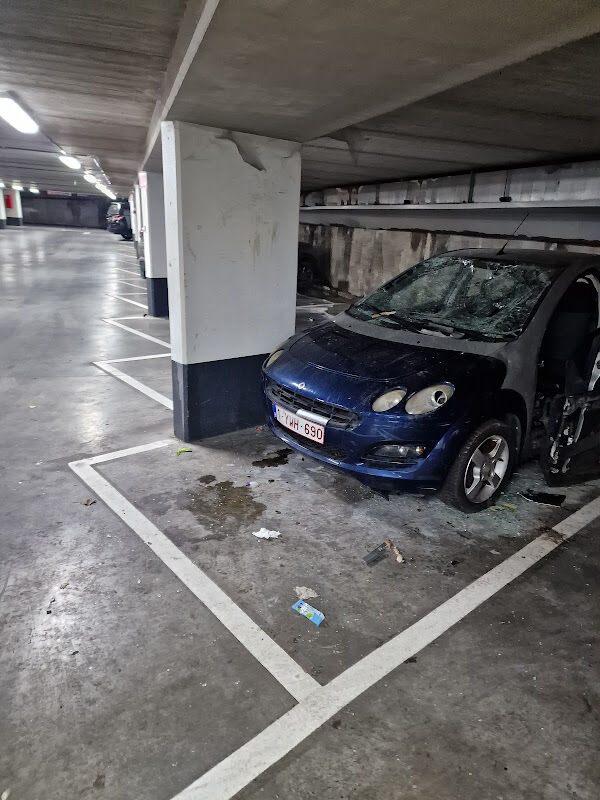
x: 448, y: 375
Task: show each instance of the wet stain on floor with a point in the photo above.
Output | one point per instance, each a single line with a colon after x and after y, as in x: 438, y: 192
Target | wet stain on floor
x: 211, y: 537
x: 222, y: 503
x: 277, y: 459
x: 206, y: 479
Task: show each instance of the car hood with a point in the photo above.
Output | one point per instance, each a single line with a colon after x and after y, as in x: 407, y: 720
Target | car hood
x: 345, y: 352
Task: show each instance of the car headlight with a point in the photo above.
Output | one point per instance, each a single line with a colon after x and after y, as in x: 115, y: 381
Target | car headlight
x: 388, y: 400
x: 273, y: 358
x: 429, y: 399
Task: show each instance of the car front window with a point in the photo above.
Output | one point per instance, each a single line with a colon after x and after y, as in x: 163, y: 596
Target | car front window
x: 474, y: 298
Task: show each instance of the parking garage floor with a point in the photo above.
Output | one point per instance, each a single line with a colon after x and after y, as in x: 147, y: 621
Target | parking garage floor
x: 149, y: 645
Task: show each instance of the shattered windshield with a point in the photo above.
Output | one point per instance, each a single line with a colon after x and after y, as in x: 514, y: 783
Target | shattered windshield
x: 472, y: 298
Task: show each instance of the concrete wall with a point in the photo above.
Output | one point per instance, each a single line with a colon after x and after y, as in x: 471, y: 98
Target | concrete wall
x: 71, y: 211
x: 357, y: 260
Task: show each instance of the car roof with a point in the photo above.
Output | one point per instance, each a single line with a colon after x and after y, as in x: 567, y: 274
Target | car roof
x: 558, y: 259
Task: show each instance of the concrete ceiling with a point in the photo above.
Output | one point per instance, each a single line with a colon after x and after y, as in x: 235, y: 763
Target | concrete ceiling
x: 394, y: 88
x: 541, y: 110
x: 90, y: 73
x: 32, y: 160
x: 375, y: 91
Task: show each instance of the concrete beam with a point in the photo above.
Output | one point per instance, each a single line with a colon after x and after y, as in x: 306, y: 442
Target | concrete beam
x: 558, y: 222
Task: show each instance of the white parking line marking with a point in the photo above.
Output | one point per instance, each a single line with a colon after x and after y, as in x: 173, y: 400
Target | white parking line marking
x: 130, y: 271
x: 316, y: 704
x: 135, y: 384
x: 266, y: 651
x: 127, y: 300
x: 133, y: 358
x: 129, y: 283
x: 236, y: 771
x: 114, y: 321
x: 127, y: 451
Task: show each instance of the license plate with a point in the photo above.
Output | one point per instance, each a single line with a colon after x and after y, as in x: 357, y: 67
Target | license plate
x: 304, y: 427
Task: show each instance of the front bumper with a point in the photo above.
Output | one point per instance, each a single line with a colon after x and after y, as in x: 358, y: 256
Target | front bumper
x: 349, y: 448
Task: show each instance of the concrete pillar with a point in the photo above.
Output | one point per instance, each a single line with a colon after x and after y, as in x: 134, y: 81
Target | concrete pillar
x: 2, y: 211
x: 14, y: 211
x: 140, y: 224
x: 155, y: 254
x: 231, y: 218
x: 133, y: 216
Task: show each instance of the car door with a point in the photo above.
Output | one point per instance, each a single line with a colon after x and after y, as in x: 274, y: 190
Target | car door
x: 571, y: 452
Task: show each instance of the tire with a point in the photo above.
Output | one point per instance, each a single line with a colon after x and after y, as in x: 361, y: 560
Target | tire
x: 492, y: 447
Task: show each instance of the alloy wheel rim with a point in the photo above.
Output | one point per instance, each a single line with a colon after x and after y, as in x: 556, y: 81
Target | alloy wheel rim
x: 486, y: 469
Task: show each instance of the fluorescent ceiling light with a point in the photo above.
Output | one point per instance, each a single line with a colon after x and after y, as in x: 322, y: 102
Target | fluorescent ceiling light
x: 70, y: 161
x: 12, y: 112
x: 90, y: 178
x: 106, y: 191
x: 34, y: 190
x: 2, y: 185
x: 17, y: 187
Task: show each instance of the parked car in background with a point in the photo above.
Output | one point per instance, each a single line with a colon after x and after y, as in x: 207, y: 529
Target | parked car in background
x: 118, y: 219
x: 448, y: 375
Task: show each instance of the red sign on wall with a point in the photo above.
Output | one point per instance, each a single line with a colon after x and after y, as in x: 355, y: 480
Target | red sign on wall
x: 8, y: 201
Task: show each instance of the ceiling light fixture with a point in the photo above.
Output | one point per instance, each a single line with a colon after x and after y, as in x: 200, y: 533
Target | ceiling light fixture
x: 106, y: 191
x: 17, y: 187
x: 90, y: 178
x: 34, y: 190
x: 11, y: 112
x: 70, y: 161
x: 2, y: 185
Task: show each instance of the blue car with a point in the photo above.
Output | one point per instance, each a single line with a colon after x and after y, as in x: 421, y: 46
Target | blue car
x: 446, y: 376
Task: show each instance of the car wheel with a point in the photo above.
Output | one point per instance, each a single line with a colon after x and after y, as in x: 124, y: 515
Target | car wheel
x: 482, y: 468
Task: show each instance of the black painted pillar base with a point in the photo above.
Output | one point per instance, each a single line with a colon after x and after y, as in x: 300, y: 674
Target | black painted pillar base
x: 142, y: 267
x: 135, y: 247
x: 217, y: 397
x: 2, y: 223
x: 14, y: 220
x: 158, y: 297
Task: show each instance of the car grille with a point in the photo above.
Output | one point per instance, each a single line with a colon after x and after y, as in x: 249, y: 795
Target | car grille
x: 336, y: 416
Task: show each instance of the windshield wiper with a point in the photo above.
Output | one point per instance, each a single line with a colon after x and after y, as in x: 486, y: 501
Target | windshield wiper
x: 363, y: 305
x: 438, y: 326
x: 409, y: 324
x: 399, y: 322
x: 429, y: 324
x: 383, y: 315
